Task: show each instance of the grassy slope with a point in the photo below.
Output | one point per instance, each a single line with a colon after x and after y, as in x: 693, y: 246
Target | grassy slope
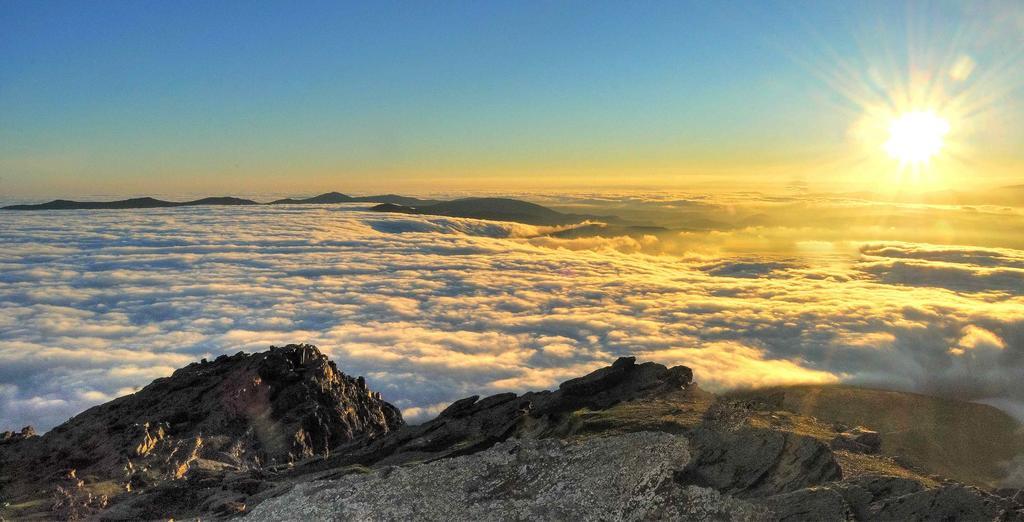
x: 681, y: 411
x: 961, y: 440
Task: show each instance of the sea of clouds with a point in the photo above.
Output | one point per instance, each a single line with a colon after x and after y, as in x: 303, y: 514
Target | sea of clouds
x: 96, y: 304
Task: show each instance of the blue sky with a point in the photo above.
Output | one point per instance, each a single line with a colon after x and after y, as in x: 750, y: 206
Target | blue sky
x: 171, y: 96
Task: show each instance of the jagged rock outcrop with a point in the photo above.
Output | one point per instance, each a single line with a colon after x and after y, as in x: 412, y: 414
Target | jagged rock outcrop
x: 72, y: 501
x: 239, y: 412
x: 283, y: 434
x: 10, y: 437
x: 474, y: 424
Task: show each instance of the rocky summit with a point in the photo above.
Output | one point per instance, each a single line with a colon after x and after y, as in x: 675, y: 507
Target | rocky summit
x: 284, y: 435
x: 233, y: 414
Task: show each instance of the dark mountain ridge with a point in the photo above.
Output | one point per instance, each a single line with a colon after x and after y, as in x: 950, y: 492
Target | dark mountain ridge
x: 494, y: 209
x: 337, y: 197
x: 322, y: 199
x: 146, y: 202
x: 489, y: 208
x: 328, y: 198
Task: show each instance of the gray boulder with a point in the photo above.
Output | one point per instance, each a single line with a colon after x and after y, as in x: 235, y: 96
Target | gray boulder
x: 752, y: 462
x: 623, y: 477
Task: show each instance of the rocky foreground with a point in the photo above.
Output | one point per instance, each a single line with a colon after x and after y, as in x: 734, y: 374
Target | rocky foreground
x: 284, y: 435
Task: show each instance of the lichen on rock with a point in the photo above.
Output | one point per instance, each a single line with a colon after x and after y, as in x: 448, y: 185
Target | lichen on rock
x: 623, y: 477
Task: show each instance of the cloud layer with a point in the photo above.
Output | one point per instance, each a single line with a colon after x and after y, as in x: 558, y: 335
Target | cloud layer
x: 96, y: 304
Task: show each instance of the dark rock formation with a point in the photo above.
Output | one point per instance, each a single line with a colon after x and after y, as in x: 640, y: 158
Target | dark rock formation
x: 10, y: 437
x: 337, y: 197
x: 818, y: 503
x: 947, y: 502
x: 858, y: 440
x: 237, y: 412
x: 860, y: 493
x: 72, y: 501
x: 892, y: 498
x: 473, y: 424
x: 287, y: 435
x: 599, y: 380
x: 850, y: 499
x: 466, y: 427
x: 757, y: 462
x: 147, y: 202
x: 1015, y: 494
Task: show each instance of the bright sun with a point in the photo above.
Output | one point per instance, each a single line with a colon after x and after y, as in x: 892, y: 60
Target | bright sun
x: 915, y: 137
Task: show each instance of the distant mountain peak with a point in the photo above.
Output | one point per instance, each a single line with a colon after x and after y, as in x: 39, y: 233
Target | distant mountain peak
x: 494, y: 209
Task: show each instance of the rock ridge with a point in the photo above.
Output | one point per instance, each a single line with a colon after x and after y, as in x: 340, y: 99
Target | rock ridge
x: 290, y: 436
x: 238, y: 412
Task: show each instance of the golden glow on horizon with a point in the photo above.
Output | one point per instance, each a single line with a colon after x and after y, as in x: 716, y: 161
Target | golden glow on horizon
x: 915, y: 137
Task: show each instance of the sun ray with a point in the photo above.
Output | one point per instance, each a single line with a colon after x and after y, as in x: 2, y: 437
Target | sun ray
x: 921, y: 100
x: 915, y: 137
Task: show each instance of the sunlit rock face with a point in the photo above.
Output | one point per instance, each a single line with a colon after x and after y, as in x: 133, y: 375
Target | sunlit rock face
x: 241, y: 411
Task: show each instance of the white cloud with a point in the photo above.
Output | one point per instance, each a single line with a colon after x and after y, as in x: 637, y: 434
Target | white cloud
x: 434, y: 309
x: 975, y: 338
